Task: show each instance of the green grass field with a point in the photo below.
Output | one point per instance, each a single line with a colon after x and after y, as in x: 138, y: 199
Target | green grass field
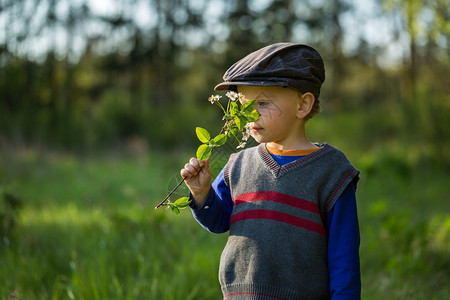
x: 87, y: 229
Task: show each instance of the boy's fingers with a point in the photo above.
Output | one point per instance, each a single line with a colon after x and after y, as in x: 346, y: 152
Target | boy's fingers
x: 193, y: 167
x: 196, y: 164
x: 190, y: 169
x: 185, y: 174
x: 206, y: 164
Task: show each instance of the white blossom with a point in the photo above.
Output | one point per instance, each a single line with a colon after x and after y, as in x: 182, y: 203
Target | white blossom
x: 241, y: 98
x: 246, y: 132
x: 233, y: 96
x: 214, y: 98
x: 241, y: 145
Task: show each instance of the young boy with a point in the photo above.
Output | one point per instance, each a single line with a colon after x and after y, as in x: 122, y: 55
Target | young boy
x: 289, y: 204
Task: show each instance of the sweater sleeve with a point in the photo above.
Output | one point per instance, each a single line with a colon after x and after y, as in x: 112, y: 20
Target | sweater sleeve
x: 214, y: 215
x: 343, y: 247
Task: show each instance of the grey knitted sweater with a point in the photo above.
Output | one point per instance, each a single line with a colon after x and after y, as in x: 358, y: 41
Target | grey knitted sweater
x: 277, y: 247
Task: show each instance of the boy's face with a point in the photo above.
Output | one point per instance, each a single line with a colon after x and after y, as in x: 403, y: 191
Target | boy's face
x: 280, y: 121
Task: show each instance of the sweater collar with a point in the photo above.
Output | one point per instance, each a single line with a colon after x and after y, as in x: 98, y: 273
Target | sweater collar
x: 279, y: 170
x: 301, y: 152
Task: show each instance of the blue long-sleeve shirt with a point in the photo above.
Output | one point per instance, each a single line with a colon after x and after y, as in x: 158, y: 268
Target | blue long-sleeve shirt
x: 342, y: 229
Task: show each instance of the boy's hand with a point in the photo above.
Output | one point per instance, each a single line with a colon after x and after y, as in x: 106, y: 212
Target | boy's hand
x: 197, y: 176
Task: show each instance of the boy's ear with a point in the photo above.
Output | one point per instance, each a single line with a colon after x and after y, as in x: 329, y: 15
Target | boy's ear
x: 305, y: 104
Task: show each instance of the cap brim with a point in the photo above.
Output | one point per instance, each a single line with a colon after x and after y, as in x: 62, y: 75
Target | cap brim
x: 228, y: 85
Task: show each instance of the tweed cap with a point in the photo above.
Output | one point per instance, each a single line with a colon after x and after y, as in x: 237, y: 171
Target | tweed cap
x: 296, y: 66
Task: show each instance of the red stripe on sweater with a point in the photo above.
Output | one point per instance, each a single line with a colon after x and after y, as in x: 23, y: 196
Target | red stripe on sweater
x: 264, y: 214
x: 277, y: 197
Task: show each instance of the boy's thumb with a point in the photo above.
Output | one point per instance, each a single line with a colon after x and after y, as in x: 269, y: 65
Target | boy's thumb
x: 206, y: 163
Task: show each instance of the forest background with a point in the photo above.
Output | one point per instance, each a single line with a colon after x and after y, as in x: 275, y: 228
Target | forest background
x: 99, y: 101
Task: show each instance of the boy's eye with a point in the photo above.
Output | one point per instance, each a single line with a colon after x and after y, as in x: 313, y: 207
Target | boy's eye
x: 262, y: 103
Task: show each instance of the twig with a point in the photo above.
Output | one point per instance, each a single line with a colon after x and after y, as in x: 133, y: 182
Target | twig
x: 184, y: 178
x: 170, y: 194
x: 229, y: 128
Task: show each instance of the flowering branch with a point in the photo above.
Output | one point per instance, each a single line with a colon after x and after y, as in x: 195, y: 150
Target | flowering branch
x: 236, y: 124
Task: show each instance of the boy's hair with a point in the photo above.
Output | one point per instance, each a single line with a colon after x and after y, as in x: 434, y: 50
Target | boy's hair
x: 296, y: 66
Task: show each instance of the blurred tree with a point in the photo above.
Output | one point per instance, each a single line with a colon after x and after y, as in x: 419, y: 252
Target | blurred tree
x: 329, y: 22
x: 73, y: 72
x: 426, y: 24
x: 252, y: 26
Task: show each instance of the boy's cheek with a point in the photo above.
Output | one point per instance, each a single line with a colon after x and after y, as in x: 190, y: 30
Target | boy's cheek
x: 263, y: 112
x: 271, y: 112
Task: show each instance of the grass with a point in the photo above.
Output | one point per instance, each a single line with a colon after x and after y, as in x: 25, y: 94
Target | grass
x: 405, y: 236
x: 87, y: 229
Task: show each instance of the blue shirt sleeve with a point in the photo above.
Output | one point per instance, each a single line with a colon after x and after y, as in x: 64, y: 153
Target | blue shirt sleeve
x: 343, y: 247
x: 215, y: 213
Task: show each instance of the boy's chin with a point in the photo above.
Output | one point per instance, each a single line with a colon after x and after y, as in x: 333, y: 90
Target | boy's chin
x: 259, y: 139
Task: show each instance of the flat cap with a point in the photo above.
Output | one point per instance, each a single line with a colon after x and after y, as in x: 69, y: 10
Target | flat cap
x: 296, y: 66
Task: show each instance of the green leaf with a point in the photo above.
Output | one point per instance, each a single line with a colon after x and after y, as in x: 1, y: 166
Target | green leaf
x: 234, y: 108
x: 248, y: 106
x: 232, y: 130
x: 248, y: 110
x: 240, y: 121
x: 182, y: 202
x: 252, y: 116
x: 202, y: 134
x: 237, y: 121
x: 220, y: 139
x: 175, y: 209
x: 203, y: 152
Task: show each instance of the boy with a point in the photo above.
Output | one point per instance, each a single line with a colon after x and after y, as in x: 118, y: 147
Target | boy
x: 289, y: 204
